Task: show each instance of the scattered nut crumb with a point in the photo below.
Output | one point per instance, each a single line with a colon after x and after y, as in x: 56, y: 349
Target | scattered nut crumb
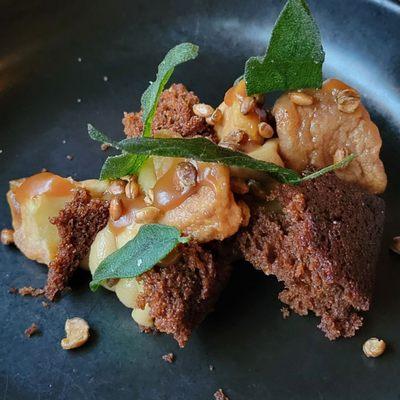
x: 13, y: 290
x: 285, y: 312
x: 45, y: 304
x: 32, y: 330
x: 211, y: 367
x: 105, y: 146
x: 374, y: 347
x: 169, y: 358
x: 7, y: 236
x: 69, y: 157
x: 77, y: 330
x: 220, y: 395
x: 30, y: 291
x: 395, y: 246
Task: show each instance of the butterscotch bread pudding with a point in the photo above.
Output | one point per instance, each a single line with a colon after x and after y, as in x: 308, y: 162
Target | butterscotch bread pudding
x: 293, y: 187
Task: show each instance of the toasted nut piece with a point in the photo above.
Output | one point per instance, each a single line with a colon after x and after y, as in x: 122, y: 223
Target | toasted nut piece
x: 105, y: 146
x: 202, y: 110
x: 216, y: 116
x: 265, y: 130
x: 348, y: 100
x: 132, y: 189
x: 239, y: 186
x: 374, y: 347
x: 395, y: 244
x: 77, y: 330
x: 301, y: 99
x: 7, y: 236
x: 187, y: 174
x: 245, y: 213
x: 115, y: 208
x: 237, y: 136
x: 149, y: 198
x: 247, y: 105
x: 117, y: 187
x: 147, y: 215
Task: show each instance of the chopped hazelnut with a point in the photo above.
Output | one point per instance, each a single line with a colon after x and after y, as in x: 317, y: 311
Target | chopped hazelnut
x: 237, y: 136
x: 32, y: 330
x: 187, y: 174
x: 374, y: 347
x: 132, y: 189
x: 117, y: 187
x: 115, y: 209
x: 301, y: 99
x: 77, y: 330
x: 7, y: 236
x: 348, y: 100
x: 169, y: 358
x: 202, y: 110
x: 265, y: 130
x: 220, y: 395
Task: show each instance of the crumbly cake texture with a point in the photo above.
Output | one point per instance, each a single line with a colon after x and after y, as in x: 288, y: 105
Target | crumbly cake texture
x: 78, y: 224
x: 323, y: 245
x: 180, y: 295
x: 174, y: 112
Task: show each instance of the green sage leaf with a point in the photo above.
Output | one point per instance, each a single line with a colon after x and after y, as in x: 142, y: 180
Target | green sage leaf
x: 294, y: 56
x: 177, y: 55
x: 152, y: 243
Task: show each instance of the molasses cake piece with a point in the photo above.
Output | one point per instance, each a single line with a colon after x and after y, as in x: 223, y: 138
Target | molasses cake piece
x: 174, y: 112
x: 322, y: 240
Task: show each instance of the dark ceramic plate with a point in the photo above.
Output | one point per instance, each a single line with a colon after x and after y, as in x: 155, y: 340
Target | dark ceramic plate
x: 256, y: 354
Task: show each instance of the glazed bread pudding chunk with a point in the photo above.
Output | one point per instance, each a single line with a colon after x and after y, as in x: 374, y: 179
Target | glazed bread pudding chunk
x: 322, y: 240
x: 331, y: 124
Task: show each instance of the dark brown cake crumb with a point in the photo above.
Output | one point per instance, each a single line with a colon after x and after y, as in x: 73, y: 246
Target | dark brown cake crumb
x: 30, y: 291
x: 78, y: 224
x: 220, y: 395
x: 169, y: 358
x: 182, y: 294
x: 174, y: 112
x: 13, y: 290
x: 32, y: 330
x: 323, y: 245
x: 285, y: 312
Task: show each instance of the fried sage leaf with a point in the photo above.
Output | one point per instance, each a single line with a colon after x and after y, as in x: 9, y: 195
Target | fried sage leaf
x: 294, y: 56
x: 177, y: 55
x: 152, y: 243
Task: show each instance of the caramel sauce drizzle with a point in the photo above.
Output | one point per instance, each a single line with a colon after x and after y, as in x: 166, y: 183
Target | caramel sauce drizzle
x: 43, y: 183
x: 168, y: 193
